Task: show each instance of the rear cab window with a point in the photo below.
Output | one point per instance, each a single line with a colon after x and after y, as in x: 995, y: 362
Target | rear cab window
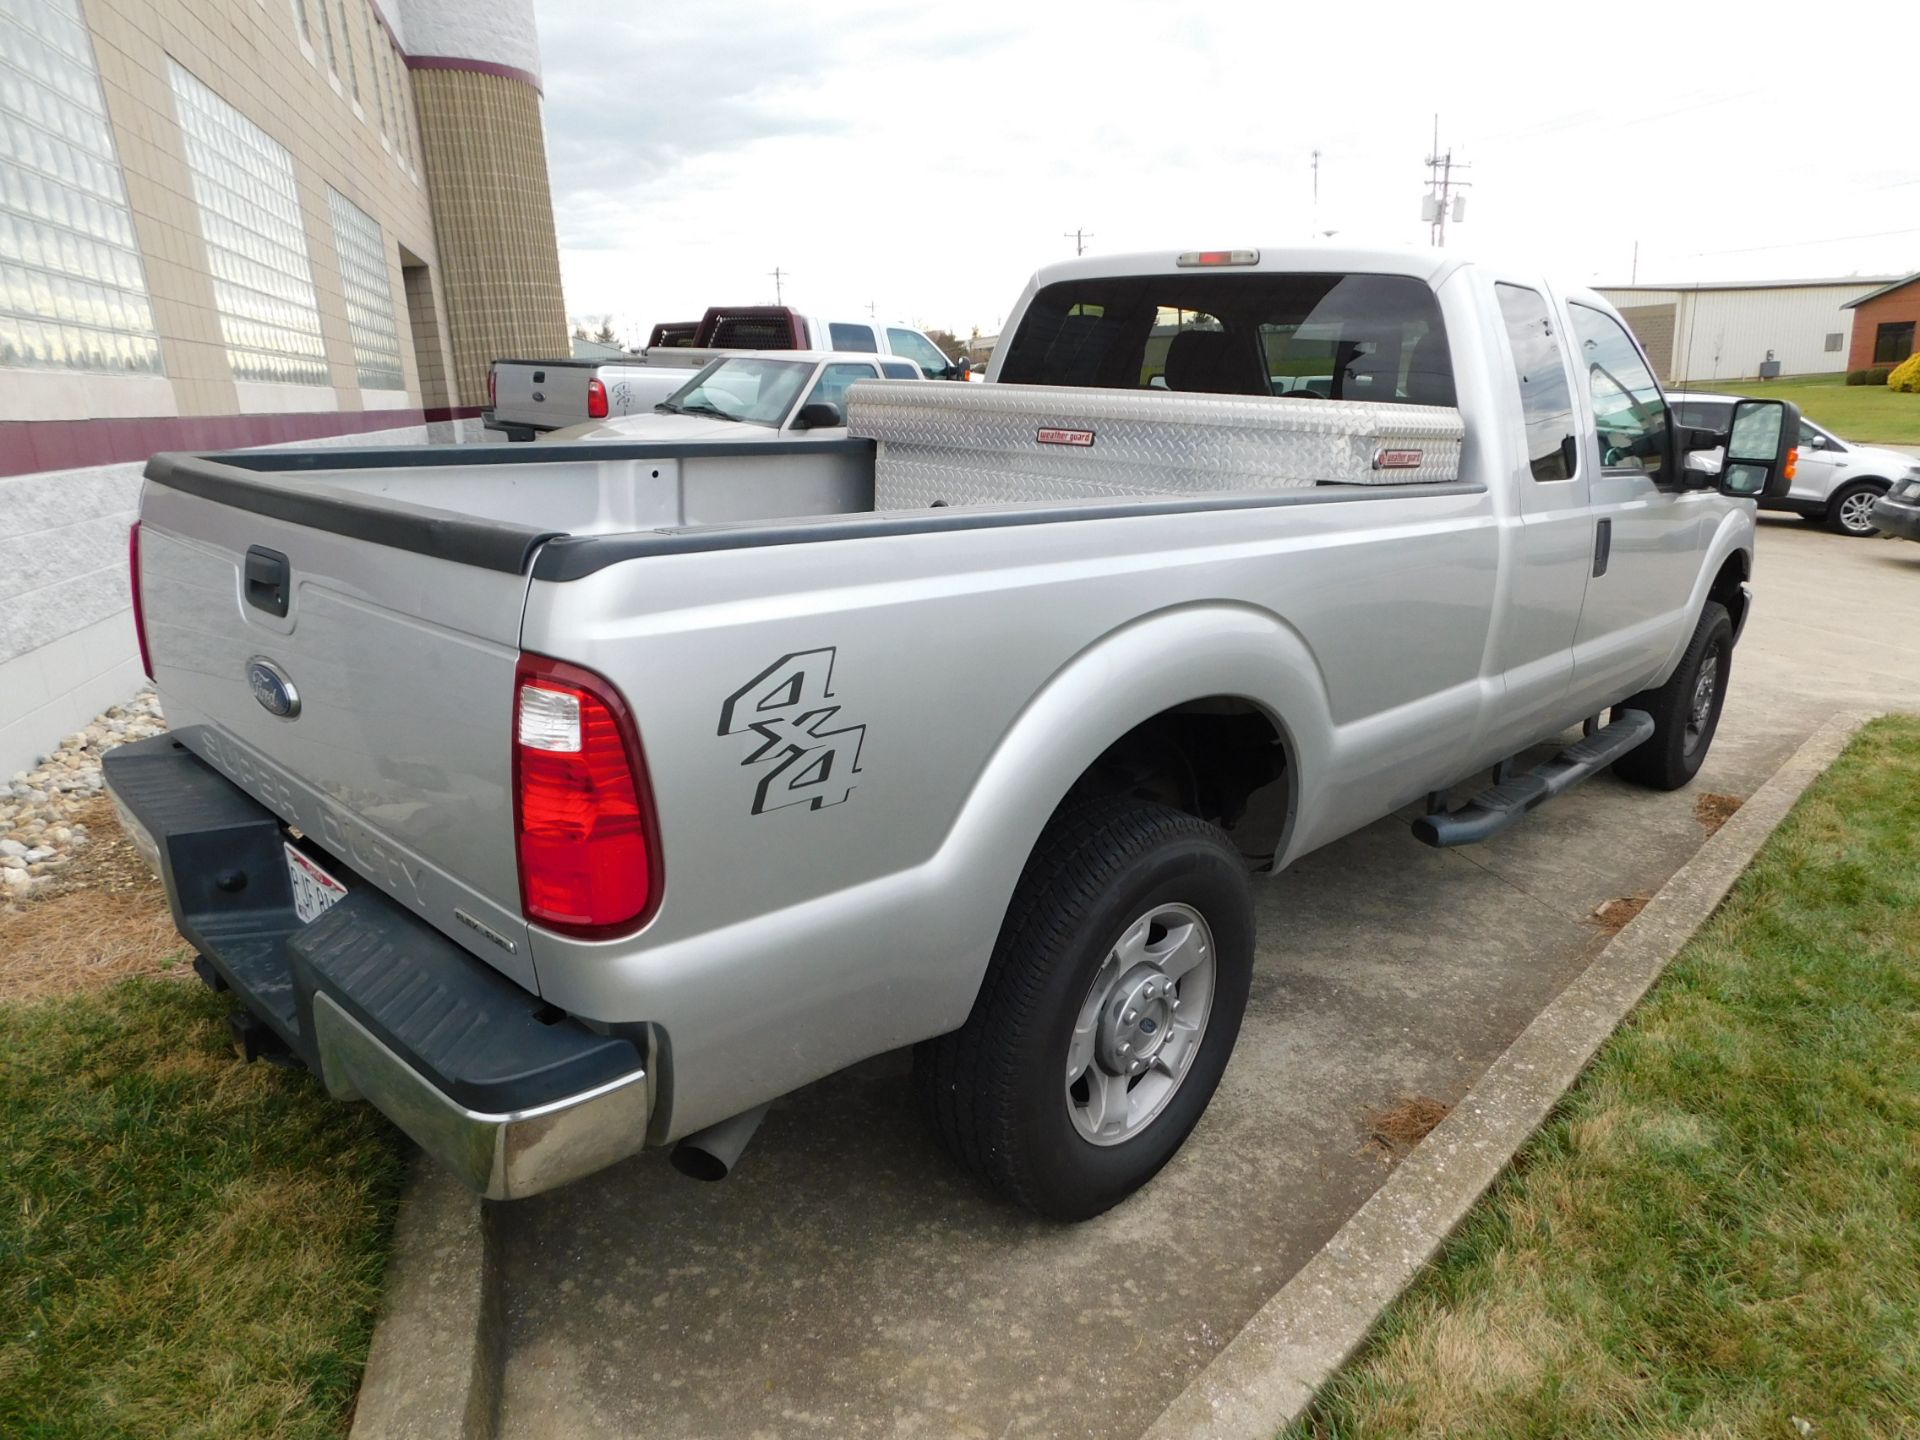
x: 1310, y: 336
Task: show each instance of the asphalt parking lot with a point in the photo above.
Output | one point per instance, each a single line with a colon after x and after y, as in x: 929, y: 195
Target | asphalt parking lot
x: 849, y: 1281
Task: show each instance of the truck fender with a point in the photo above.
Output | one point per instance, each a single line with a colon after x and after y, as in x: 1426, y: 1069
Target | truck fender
x: 1153, y: 664
x: 1735, y: 536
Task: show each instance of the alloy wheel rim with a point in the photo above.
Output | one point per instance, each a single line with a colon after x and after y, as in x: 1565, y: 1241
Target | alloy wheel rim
x: 1856, y: 512
x: 1140, y: 1027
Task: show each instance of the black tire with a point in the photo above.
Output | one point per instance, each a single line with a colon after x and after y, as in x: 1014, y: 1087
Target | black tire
x: 996, y: 1090
x: 1679, y: 745
x: 1839, y: 511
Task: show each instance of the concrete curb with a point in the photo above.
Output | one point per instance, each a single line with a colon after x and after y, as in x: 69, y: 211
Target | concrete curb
x: 1269, y: 1372
x: 434, y: 1369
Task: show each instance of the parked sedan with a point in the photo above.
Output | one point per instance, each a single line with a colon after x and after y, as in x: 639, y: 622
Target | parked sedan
x: 1836, y: 482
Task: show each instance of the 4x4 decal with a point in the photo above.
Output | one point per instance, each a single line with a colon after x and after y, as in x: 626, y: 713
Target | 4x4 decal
x: 789, y: 707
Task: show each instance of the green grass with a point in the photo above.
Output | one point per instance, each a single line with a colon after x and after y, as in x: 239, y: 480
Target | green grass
x: 1719, y: 1229
x: 1865, y: 414
x: 188, y: 1247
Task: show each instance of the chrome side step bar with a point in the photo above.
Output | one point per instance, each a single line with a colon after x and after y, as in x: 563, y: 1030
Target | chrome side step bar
x: 1511, y: 796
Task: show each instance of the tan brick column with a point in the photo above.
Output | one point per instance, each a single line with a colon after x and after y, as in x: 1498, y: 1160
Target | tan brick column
x: 486, y: 169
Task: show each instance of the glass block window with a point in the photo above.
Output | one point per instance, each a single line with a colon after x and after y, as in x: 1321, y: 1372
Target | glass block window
x: 256, y: 247
x: 368, y: 288
x: 73, y: 295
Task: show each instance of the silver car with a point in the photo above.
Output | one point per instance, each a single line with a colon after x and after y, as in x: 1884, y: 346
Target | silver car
x: 1836, y: 482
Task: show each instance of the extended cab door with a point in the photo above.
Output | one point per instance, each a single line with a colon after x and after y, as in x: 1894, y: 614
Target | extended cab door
x: 1551, y: 545
x: 1646, y: 529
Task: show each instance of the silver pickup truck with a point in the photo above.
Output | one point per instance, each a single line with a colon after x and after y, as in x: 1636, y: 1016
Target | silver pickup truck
x: 563, y: 800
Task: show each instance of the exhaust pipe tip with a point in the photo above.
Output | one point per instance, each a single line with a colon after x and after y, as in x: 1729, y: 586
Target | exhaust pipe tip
x: 712, y: 1153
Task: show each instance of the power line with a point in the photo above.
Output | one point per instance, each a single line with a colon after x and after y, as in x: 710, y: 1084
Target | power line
x: 1828, y: 240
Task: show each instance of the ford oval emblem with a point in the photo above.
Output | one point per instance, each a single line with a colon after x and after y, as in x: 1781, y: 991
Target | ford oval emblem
x: 272, y: 688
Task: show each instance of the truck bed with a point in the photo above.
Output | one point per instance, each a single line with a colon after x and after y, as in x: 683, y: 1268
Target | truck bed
x: 912, y: 449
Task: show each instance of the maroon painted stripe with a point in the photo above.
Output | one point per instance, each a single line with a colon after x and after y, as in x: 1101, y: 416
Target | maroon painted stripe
x: 483, y: 67
x: 27, y: 446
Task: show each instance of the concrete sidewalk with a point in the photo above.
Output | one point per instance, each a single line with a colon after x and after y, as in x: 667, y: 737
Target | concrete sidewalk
x: 848, y: 1281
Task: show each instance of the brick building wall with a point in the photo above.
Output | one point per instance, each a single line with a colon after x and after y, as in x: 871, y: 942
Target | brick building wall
x: 1901, y: 306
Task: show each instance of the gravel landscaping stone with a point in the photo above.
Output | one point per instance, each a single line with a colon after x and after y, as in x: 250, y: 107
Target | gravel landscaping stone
x: 38, y: 831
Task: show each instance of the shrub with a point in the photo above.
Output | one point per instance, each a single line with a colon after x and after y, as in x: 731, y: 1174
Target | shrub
x: 1857, y: 377
x: 1879, y: 374
x: 1906, y: 375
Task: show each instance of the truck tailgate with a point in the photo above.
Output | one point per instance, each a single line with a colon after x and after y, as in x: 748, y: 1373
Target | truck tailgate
x: 542, y: 394
x: 396, y: 762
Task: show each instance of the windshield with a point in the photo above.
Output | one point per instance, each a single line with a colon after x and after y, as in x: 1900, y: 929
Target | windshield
x: 759, y: 392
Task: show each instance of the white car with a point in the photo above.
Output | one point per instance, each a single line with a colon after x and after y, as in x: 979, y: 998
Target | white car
x: 1835, y: 482
x: 753, y: 397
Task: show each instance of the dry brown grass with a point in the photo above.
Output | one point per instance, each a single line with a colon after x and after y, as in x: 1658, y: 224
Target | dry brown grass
x: 1405, y: 1123
x: 105, y: 918
x: 1713, y: 811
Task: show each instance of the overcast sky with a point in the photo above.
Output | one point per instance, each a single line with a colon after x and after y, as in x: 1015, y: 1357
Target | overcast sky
x: 927, y: 158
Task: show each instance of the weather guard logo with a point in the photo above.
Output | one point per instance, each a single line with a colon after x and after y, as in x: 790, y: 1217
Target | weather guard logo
x: 789, y: 708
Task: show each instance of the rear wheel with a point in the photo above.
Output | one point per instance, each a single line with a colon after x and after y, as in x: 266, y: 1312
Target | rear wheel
x: 1108, y: 1011
x: 1850, y: 510
x: 1685, y: 710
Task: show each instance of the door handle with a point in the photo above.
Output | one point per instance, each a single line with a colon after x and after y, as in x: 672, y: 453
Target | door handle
x: 266, y: 576
x: 1602, y: 546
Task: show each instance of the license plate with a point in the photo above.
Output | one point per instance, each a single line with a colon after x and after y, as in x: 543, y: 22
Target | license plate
x: 314, y: 890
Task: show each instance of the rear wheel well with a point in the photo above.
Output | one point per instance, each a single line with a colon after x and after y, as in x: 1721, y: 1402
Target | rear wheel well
x: 1727, y: 587
x: 1221, y: 758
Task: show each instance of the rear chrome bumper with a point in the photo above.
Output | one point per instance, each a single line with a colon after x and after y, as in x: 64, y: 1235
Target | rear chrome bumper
x: 501, y: 1156
x: 380, y: 1005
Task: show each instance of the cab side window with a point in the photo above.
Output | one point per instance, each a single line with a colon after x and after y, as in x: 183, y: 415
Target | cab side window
x: 922, y: 351
x: 1540, y: 367
x: 852, y: 337
x: 1628, y: 409
x: 900, y: 370
x: 835, y: 381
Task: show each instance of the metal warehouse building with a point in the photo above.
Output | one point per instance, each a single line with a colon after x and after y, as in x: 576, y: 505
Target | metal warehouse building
x: 1729, y: 330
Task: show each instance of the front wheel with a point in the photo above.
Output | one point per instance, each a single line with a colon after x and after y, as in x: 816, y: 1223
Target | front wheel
x: 1108, y: 1011
x: 1685, y: 710
x: 1850, y: 511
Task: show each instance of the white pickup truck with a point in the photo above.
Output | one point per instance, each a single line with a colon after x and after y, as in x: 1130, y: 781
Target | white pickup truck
x: 526, y: 398
x: 751, y: 398
x: 563, y: 800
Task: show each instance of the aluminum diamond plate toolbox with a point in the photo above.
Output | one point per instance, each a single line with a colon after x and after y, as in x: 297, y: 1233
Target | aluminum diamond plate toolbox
x: 995, y: 444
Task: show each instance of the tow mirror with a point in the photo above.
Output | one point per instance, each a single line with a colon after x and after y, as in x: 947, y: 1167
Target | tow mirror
x: 818, y: 415
x: 961, y: 369
x: 1760, y: 449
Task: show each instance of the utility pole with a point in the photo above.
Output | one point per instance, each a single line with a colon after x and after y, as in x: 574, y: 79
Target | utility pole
x: 1633, y: 277
x: 778, y: 276
x: 1316, y: 195
x: 1441, y: 185
x: 1079, y: 239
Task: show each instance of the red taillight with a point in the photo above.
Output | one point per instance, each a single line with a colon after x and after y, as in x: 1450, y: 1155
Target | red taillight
x: 139, y: 609
x: 493, y: 388
x: 582, y: 808
x: 596, y: 399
